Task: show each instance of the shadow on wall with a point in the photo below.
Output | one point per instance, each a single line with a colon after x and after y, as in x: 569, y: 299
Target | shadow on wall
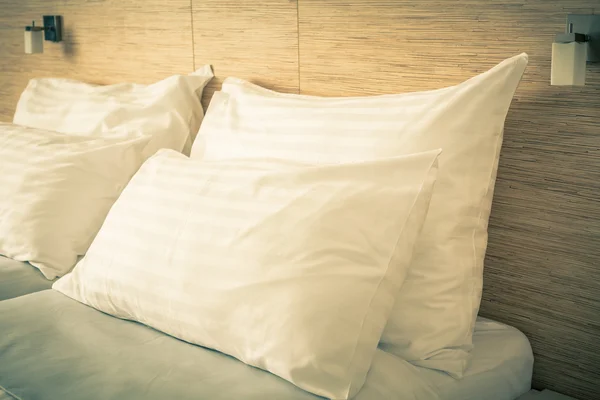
x: 69, y: 46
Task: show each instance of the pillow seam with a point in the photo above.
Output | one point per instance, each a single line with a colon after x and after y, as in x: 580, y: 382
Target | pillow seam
x: 384, y: 275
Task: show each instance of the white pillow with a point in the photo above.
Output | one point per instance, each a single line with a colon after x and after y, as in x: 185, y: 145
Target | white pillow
x: 433, y: 321
x: 282, y: 266
x: 55, y: 191
x: 169, y: 111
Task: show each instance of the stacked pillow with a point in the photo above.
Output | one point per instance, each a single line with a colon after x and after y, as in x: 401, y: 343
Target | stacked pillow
x: 283, y: 266
x: 287, y: 239
x: 435, y: 312
x: 71, y: 151
x: 55, y: 191
x: 169, y: 110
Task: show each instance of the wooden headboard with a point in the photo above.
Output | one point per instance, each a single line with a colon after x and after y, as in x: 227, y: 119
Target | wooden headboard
x: 542, y: 271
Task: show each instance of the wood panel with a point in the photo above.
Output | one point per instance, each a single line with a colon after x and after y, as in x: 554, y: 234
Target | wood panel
x: 253, y: 40
x: 105, y: 41
x: 542, y: 272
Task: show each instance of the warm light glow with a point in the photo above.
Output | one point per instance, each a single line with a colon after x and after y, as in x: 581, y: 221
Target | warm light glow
x: 34, y: 41
x: 568, y: 64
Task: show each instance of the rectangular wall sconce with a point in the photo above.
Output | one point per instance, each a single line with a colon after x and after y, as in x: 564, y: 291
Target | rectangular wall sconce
x: 35, y: 35
x: 34, y: 39
x: 571, y: 51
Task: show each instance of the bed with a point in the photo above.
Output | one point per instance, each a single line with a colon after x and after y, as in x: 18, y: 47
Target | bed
x: 62, y: 349
x: 19, y: 278
x: 192, y: 249
x: 44, y: 129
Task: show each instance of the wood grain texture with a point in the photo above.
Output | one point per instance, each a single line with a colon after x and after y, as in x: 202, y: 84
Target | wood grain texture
x: 542, y: 272
x: 105, y: 41
x: 253, y: 40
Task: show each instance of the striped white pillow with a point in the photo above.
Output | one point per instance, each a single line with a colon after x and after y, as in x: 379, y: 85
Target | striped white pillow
x: 168, y: 111
x: 55, y: 191
x: 433, y: 321
x: 282, y: 266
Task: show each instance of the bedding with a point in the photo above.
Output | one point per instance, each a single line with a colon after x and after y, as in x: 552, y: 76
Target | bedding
x: 271, y: 262
x: 501, y: 366
x: 19, y: 278
x: 168, y: 111
x: 432, y: 322
x: 55, y: 191
x: 53, y: 347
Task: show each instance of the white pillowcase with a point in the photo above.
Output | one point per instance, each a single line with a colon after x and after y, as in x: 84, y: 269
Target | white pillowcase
x: 169, y: 111
x: 285, y: 267
x: 433, y: 320
x: 55, y: 191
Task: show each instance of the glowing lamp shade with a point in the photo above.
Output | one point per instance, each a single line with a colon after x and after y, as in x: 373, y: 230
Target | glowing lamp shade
x: 34, y: 40
x: 568, y: 64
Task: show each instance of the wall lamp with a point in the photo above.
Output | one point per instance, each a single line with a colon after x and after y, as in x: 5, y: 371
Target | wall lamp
x: 35, y: 35
x: 571, y: 51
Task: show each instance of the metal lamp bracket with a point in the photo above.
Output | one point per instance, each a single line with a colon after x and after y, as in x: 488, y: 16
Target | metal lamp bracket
x: 583, y: 28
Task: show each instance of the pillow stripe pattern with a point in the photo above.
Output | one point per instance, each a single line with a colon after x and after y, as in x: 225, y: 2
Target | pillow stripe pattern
x: 169, y: 111
x: 271, y: 262
x: 55, y: 191
x: 433, y: 323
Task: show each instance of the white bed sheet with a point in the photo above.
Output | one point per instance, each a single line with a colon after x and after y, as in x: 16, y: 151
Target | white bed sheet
x: 500, y: 368
x: 20, y: 278
x: 52, y: 347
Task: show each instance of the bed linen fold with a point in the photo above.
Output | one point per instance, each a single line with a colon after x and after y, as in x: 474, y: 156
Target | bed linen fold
x: 52, y: 347
x: 20, y: 278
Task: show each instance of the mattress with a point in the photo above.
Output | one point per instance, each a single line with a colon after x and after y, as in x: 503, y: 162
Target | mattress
x: 500, y: 368
x: 18, y: 278
x: 52, y: 347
